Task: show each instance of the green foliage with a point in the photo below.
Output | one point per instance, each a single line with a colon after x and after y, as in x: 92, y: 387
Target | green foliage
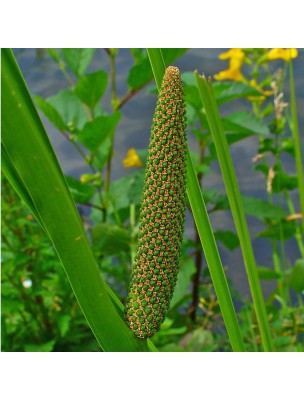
x: 39, y: 309
x: 69, y: 107
x: 81, y: 192
x: 296, y: 279
x: 96, y: 132
x: 245, y: 122
x: 141, y: 74
x: 77, y: 60
x: 91, y: 87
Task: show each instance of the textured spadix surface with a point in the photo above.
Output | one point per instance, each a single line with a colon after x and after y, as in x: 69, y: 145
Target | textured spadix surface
x: 162, y: 213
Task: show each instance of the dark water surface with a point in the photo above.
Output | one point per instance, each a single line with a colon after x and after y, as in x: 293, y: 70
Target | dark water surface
x: 44, y: 79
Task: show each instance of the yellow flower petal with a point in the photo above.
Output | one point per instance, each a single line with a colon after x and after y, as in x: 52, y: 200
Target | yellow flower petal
x: 232, y: 53
x: 132, y: 159
x: 284, y: 54
x: 229, y: 74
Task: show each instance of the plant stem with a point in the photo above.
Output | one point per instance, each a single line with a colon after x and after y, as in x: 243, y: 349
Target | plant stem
x: 114, y: 105
x: 236, y: 205
x: 297, y: 146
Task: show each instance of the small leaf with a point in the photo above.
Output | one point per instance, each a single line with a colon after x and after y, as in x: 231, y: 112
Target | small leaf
x: 267, y: 273
x: 51, y: 113
x: 245, y: 122
x: 138, y: 54
x: 80, y: 192
x: 48, y: 346
x: 54, y: 54
x: 283, y: 181
x: 110, y: 239
x: 102, y: 153
x: 69, y: 108
x: 183, y: 282
x: 64, y: 324
x: 95, y: 132
x: 198, y: 340
x: 226, y: 91
x: 296, y: 279
x: 260, y: 209
x: 91, y: 87
x: 282, y: 229
x: 77, y: 60
x: 127, y: 190
x: 141, y: 73
x: 228, y: 238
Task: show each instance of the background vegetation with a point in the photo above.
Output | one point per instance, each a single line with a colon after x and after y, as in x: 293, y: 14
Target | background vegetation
x: 39, y: 309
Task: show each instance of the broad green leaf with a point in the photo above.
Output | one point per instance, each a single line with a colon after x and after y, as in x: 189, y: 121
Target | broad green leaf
x: 81, y: 192
x: 183, y: 282
x: 226, y: 91
x: 102, y: 153
x: 198, y: 340
x: 228, y: 238
x: 283, y: 181
x: 95, y: 132
x: 296, y: 279
x: 253, y: 206
x: 261, y: 209
x: 138, y: 54
x: 70, y: 108
x: 91, y: 87
x: 245, y: 122
x: 127, y: 190
x: 223, y: 91
x: 77, y: 60
x: 280, y: 230
x: 192, y: 97
x: 110, y: 239
x: 141, y: 73
x: 267, y: 273
x: 51, y: 113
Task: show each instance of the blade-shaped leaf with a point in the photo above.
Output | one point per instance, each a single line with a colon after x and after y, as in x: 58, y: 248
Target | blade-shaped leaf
x: 29, y: 149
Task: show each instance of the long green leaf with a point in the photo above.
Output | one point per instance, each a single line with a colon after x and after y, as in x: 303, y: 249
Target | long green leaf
x: 236, y: 205
x: 205, y: 231
x: 42, y: 184
x: 297, y: 141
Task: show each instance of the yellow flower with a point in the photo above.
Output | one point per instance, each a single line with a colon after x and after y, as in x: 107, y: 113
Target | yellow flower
x: 231, y: 74
x: 285, y: 54
x: 232, y: 54
x: 132, y: 159
x: 236, y: 59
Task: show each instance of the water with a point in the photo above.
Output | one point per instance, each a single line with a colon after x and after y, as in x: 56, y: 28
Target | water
x: 44, y: 79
